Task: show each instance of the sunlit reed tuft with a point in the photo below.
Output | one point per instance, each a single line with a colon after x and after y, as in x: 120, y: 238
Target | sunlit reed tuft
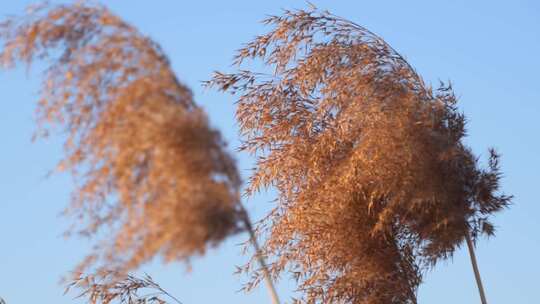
x: 374, y: 181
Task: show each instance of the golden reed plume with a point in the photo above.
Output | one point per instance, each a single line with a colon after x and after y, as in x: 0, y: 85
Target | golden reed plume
x: 147, y: 163
x: 374, y: 181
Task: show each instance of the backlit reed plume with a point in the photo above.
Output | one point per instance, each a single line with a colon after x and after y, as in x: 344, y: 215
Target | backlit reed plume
x: 374, y: 181
x: 148, y: 166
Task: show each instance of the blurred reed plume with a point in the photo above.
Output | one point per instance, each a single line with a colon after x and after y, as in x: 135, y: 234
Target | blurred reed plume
x: 147, y: 164
x: 375, y: 183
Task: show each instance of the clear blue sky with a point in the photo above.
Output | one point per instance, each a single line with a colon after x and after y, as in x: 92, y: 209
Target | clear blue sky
x: 489, y: 49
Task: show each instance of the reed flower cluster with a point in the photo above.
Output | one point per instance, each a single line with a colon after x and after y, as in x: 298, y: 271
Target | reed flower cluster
x: 106, y: 287
x: 148, y: 166
x: 374, y: 181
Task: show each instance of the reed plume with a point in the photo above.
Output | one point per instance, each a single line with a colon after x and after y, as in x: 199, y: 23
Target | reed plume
x: 374, y: 181
x: 148, y: 167
x: 107, y: 287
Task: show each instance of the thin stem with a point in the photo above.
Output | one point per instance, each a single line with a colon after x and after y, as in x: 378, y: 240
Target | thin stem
x: 260, y: 259
x: 470, y: 245
x: 169, y: 295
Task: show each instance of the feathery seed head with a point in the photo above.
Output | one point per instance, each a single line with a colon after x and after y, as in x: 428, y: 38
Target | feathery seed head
x: 147, y: 163
x: 373, y: 178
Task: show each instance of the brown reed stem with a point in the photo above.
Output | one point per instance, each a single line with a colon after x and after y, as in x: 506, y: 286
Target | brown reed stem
x: 260, y: 258
x: 470, y: 245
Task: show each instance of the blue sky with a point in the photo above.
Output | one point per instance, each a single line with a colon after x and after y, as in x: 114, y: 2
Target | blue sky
x: 489, y: 49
